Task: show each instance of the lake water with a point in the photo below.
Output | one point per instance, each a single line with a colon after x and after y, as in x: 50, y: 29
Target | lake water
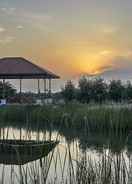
x: 78, y: 158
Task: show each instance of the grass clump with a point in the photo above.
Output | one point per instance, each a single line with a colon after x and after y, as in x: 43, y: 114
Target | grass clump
x: 80, y: 117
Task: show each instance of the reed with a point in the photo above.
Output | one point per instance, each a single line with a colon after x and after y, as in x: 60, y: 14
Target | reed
x: 107, y: 168
x: 86, y: 122
x: 112, y: 119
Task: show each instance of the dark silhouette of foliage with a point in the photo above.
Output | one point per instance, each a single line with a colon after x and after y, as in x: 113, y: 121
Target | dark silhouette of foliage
x: 94, y: 90
x: 6, y: 90
x: 85, y: 90
x: 116, y: 90
x: 129, y: 90
x: 98, y: 91
x: 69, y: 91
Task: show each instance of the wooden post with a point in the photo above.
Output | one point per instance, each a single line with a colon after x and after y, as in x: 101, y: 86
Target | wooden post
x: 20, y: 92
x: 49, y: 87
x: 44, y: 87
x: 3, y: 88
x: 38, y: 87
x: 20, y: 86
x: 45, y: 90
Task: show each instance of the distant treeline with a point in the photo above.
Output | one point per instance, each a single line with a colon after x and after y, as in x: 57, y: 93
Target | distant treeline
x: 97, y: 90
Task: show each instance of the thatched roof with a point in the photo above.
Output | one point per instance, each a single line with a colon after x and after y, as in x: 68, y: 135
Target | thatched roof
x: 17, y: 67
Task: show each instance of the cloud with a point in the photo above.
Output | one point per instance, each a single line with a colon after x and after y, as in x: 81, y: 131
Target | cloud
x: 8, y: 11
x: 20, y: 27
x: 22, y: 17
x: 7, y: 40
x: 2, y: 29
x: 99, y: 71
x: 39, y: 20
x: 39, y: 17
x: 105, y: 52
x: 121, y: 68
x: 109, y: 29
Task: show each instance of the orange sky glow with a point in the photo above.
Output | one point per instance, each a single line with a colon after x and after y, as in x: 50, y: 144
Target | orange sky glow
x: 70, y: 38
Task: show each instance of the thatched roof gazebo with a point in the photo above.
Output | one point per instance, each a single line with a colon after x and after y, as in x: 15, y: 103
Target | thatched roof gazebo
x: 21, y: 68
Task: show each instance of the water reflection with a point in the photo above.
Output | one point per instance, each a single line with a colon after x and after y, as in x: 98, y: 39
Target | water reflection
x: 86, y: 139
x: 81, y: 157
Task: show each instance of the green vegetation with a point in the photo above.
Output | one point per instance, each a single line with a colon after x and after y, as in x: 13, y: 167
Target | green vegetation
x: 69, y: 92
x: 108, y: 168
x: 98, y: 91
x: 6, y: 90
x: 112, y: 119
x: 112, y: 162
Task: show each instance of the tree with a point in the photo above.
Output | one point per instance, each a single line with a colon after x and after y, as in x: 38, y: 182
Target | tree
x: 99, y: 90
x: 6, y: 90
x: 128, y: 90
x: 68, y: 92
x: 92, y: 90
x: 85, y: 90
x: 116, y: 90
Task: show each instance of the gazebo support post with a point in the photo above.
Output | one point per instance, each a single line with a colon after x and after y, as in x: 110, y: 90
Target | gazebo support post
x: 39, y: 88
x: 24, y: 69
x: 20, y: 91
x: 3, y: 88
x: 44, y: 88
x: 50, y: 88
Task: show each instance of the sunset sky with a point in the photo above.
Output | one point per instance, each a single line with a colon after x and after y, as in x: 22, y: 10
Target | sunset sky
x: 70, y: 37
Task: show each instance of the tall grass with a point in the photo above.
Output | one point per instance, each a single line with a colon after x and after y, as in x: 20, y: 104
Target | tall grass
x: 74, y: 121
x: 103, y: 119
x: 107, y: 168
